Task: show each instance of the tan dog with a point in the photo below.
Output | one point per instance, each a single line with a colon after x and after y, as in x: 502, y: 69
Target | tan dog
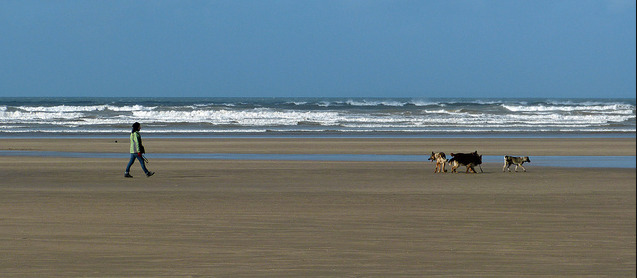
x: 518, y: 161
x: 441, y: 160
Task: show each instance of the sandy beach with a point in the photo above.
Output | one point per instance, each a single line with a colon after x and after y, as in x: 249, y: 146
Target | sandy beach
x: 408, y: 146
x: 78, y: 217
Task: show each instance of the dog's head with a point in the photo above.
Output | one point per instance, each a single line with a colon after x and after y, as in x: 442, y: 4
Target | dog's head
x: 432, y: 157
x: 526, y: 159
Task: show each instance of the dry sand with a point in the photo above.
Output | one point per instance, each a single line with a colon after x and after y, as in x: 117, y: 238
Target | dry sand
x: 78, y: 217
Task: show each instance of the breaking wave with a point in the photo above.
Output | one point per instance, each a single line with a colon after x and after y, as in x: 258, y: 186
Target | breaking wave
x: 316, y: 115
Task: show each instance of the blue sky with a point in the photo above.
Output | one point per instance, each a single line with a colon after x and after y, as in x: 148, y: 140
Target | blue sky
x: 349, y: 48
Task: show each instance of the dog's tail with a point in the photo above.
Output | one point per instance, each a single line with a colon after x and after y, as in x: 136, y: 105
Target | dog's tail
x: 450, y: 161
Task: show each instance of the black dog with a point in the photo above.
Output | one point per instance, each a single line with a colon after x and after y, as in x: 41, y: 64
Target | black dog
x: 469, y: 160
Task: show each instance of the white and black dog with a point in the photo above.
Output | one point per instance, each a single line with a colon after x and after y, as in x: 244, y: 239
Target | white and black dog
x: 440, y: 159
x: 518, y: 161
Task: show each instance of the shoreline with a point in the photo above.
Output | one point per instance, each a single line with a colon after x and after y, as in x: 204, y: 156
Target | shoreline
x: 542, y: 161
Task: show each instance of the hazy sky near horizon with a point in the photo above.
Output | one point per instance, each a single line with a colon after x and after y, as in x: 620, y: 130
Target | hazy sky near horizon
x: 322, y: 48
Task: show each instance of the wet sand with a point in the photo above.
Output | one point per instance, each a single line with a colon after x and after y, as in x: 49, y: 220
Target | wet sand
x: 70, y: 217
x: 402, y: 146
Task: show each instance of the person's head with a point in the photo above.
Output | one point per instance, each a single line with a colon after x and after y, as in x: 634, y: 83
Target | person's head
x: 136, y: 127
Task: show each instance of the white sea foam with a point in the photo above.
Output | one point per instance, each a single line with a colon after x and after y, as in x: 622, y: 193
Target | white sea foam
x: 297, y: 102
x: 62, y: 108
x: 19, y: 116
x: 76, y: 108
x: 131, y: 108
x: 316, y: 115
x: 255, y: 117
x: 375, y: 103
x: 268, y: 117
x: 616, y: 108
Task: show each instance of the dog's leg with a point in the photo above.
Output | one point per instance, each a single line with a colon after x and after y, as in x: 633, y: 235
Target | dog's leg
x: 504, y: 167
x: 522, y: 167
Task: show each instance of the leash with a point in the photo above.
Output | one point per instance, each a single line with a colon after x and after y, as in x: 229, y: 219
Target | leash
x: 146, y: 159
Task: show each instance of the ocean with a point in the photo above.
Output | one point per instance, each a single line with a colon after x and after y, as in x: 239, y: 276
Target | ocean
x: 418, y: 117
